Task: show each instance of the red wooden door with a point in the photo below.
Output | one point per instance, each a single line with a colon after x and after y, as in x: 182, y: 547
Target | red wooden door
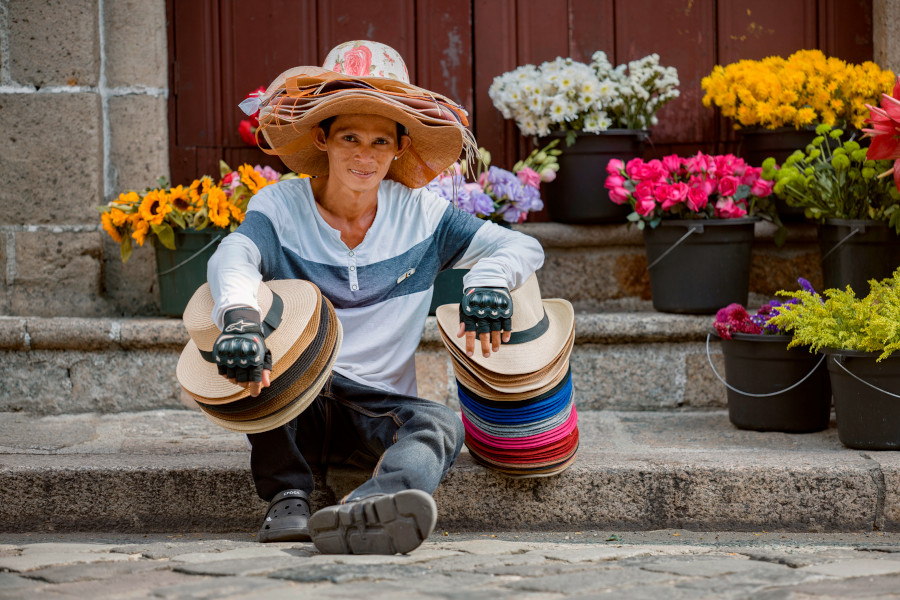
x: 222, y: 49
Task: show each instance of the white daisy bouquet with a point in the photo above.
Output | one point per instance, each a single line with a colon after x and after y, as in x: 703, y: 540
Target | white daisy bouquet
x: 566, y: 95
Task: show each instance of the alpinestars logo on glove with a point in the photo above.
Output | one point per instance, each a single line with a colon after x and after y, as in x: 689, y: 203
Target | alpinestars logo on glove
x: 239, y: 326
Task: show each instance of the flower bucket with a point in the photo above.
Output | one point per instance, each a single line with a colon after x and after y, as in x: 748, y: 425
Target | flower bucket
x: 855, y: 251
x: 771, y: 388
x: 181, y: 271
x: 698, y: 266
x: 578, y: 195
x: 448, y: 288
x: 866, y: 399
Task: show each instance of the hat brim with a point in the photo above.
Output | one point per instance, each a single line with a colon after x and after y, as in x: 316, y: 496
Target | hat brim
x: 515, y: 359
x: 302, y: 299
x: 433, y: 147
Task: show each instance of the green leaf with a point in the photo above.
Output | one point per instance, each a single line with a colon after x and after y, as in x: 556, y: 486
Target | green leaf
x: 177, y: 219
x: 125, y: 249
x: 224, y: 169
x: 571, y: 136
x: 633, y: 217
x: 165, y: 234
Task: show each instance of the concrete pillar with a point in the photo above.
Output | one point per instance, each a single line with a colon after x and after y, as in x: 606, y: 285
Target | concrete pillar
x: 886, y: 34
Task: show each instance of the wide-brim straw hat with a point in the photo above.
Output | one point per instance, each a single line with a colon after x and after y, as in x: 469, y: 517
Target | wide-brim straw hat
x: 302, y: 97
x: 541, y: 329
x: 289, y: 304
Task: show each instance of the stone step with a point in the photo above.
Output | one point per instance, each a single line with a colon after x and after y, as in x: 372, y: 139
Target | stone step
x: 171, y: 470
x: 623, y: 361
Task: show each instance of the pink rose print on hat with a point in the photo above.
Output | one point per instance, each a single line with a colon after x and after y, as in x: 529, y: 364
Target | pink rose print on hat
x: 358, y: 61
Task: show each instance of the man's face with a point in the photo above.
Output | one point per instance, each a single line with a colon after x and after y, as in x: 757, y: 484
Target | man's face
x: 360, y: 150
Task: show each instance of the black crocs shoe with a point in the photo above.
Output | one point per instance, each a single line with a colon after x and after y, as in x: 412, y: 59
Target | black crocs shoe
x: 287, y: 518
x: 384, y: 524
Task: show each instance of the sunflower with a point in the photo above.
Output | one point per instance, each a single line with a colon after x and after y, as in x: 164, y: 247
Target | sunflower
x: 218, y: 205
x: 179, y: 197
x: 154, y: 207
x: 140, y: 227
x: 252, y: 179
x: 110, y: 228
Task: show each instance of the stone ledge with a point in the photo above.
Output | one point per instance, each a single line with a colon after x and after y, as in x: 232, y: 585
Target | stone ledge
x: 172, y: 470
x: 98, y: 334
x: 559, y: 235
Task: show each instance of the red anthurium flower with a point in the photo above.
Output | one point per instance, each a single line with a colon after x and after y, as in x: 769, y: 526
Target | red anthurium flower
x: 885, y: 131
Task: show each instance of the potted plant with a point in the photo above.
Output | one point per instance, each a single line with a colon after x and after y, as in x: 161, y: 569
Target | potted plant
x: 775, y: 102
x: 602, y: 112
x: 859, y: 337
x: 857, y: 209
x: 698, y: 217
x: 770, y: 387
x: 494, y: 194
x: 185, y: 224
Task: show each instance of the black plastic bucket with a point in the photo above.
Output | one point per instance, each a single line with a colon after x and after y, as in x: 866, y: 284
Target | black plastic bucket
x: 867, y: 418
x: 855, y: 251
x: 701, y: 272
x: 448, y: 288
x: 771, y: 388
x: 181, y: 271
x: 578, y: 195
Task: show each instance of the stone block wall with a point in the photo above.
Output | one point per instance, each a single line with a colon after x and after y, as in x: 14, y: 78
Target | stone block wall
x: 83, y: 117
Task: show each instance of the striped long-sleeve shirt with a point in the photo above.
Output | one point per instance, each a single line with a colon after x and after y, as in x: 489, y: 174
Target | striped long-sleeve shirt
x: 382, y: 288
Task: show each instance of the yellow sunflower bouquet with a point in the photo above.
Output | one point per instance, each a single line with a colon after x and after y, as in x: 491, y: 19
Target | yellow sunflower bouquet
x: 204, y: 203
x: 802, y: 90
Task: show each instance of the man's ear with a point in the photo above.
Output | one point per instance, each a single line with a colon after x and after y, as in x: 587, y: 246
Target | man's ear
x: 319, y: 138
x: 405, y: 142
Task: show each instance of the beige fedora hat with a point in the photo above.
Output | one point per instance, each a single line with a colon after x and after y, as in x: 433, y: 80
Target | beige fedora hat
x: 362, y: 77
x: 299, y: 395
x: 540, y: 332
x: 286, y: 307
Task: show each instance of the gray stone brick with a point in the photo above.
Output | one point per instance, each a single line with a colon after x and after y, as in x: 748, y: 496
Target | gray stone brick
x: 40, y: 560
x: 435, y: 377
x: 132, y: 287
x: 23, y: 391
x: 62, y: 268
x: 135, y: 36
x: 701, y: 388
x: 139, y: 147
x: 54, y: 42
x: 50, y: 158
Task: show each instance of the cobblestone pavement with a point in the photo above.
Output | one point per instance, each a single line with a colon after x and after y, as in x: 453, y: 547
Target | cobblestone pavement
x: 668, y: 564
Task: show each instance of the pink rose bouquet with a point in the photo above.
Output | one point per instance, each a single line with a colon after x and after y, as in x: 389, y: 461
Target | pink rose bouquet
x: 699, y: 187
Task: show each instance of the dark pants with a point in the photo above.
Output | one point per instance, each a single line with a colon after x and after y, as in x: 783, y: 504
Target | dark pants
x: 411, y: 442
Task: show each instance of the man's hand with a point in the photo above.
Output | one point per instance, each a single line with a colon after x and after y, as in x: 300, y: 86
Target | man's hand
x: 241, y: 353
x: 487, y: 313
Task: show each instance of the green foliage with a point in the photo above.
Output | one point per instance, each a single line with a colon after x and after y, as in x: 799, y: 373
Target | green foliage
x: 832, y: 181
x: 843, y: 321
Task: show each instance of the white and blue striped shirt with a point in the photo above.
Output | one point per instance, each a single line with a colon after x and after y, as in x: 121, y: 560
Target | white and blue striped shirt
x: 415, y: 232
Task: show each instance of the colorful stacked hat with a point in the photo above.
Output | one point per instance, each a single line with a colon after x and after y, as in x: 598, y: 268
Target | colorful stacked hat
x: 304, y: 336
x: 518, y: 407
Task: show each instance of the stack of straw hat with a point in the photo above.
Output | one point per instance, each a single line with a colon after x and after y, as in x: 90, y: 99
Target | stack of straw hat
x: 301, y: 331
x: 517, y: 405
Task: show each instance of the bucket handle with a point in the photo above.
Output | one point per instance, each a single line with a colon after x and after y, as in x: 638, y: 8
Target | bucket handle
x: 692, y: 229
x: 853, y: 232
x: 769, y: 395
x: 191, y: 257
x: 848, y: 372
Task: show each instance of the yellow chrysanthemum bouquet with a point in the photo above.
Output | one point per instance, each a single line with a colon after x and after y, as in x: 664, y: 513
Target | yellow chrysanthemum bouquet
x: 204, y: 203
x: 802, y: 90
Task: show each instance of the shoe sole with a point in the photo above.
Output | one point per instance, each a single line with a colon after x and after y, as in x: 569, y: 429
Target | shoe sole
x: 284, y: 535
x: 391, y: 524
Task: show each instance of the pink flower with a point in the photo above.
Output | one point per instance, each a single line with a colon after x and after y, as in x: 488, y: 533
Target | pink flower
x: 548, y: 175
x: 644, y: 206
x: 614, y: 166
x: 672, y: 163
x: 613, y: 181
x: 751, y: 174
x: 358, y: 61
x: 268, y: 173
x: 707, y: 186
x: 728, y: 185
x: 727, y: 208
x: 673, y: 194
x: 697, y: 199
x: 618, y: 195
x: 529, y: 177
x: 732, y: 312
x: 701, y: 163
x: 762, y: 188
x: 636, y: 169
x: 639, y: 170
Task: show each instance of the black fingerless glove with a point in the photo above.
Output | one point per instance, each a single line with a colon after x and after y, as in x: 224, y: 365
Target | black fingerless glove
x: 486, y: 309
x: 240, y: 352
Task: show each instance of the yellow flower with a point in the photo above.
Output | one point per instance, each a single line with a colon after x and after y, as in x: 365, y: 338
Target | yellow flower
x: 128, y: 198
x: 140, y: 228
x: 154, y: 207
x: 218, y: 205
x: 119, y: 218
x: 252, y: 179
x: 110, y: 228
x: 180, y: 198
